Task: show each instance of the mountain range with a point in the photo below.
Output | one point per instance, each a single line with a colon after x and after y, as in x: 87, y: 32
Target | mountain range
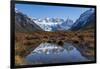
x: 85, y: 21
x: 24, y: 23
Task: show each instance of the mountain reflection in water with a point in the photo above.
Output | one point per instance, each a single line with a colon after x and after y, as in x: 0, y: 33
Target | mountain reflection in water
x: 52, y: 53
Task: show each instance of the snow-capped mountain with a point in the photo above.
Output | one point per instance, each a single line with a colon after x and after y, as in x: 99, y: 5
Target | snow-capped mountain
x: 85, y: 19
x: 24, y: 24
x: 53, y: 24
x: 66, y: 25
x: 47, y: 23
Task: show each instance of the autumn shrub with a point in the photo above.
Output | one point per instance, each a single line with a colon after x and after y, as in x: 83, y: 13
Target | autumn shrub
x: 61, y: 43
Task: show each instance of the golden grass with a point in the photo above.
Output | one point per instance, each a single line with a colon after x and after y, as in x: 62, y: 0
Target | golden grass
x: 19, y: 60
x: 26, y: 42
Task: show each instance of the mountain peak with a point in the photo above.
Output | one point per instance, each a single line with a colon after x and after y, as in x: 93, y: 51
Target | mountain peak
x: 16, y: 10
x: 84, y: 19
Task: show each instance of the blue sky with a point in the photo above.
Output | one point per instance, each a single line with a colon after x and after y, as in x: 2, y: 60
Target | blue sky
x: 42, y: 11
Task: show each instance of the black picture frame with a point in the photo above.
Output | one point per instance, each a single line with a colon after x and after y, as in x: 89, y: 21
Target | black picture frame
x: 12, y: 34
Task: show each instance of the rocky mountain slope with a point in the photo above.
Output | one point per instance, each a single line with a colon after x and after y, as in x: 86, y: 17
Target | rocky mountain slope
x: 24, y: 24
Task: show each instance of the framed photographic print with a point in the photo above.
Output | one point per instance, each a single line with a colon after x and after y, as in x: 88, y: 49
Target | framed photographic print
x: 49, y: 34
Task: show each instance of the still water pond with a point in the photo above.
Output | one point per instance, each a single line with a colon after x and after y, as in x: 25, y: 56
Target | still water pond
x: 52, y: 53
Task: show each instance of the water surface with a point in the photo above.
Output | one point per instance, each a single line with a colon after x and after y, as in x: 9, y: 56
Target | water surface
x: 47, y: 53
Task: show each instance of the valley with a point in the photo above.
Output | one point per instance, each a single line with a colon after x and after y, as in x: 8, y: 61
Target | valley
x: 42, y: 40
